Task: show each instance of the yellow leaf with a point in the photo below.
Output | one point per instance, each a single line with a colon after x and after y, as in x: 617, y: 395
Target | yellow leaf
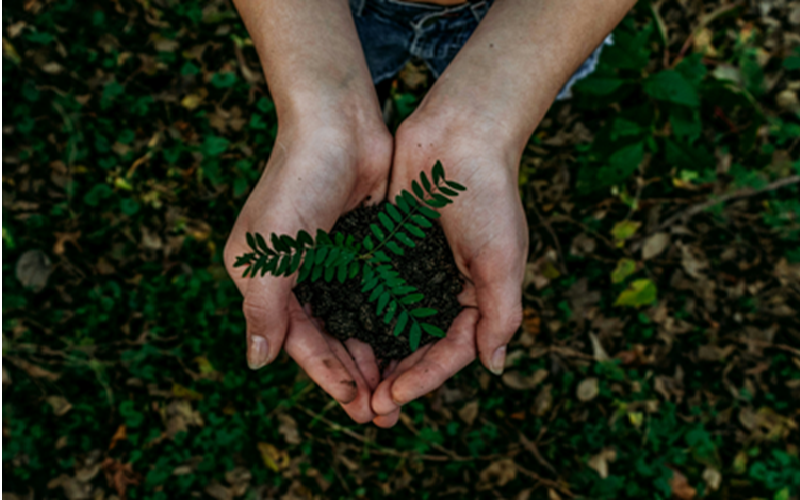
x: 549, y: 271
x: 273, y: 458
x: 191, y: 101
x: 625, y: 267
x: 10, y: 52
x: 121, y: 183
x: 636, y: 418
x: 204, y: 364
x: 182, y: 392
x: 640, y: 293
x: 624, y: 230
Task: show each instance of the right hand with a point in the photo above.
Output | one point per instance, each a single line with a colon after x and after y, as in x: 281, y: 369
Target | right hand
x: 317, y: 172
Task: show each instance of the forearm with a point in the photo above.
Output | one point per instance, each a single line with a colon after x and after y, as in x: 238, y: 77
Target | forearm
x: 518, y: 59
x: 311, y: 55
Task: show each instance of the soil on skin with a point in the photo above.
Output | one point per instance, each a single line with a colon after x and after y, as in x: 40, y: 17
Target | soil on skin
x: 346, y: 312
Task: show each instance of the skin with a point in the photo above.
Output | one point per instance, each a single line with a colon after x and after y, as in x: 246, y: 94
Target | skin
x: 476, y: 120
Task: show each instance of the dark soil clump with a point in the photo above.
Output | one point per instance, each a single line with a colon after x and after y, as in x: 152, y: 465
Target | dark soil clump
x: 346, y: 312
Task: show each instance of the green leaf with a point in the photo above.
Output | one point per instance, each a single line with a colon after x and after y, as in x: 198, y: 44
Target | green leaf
x: 425, y: 182
x: 402, y: 290
x: 427, y: 212
x: 686, y: 123
x: 338, y: 239
x: 625, y: 267
x: 448, y: 192
x: 435, y: 203
x: 368, y: 243
x: 695, y: 157
x: 392, y: 211
x: 412, y: 299
x: 672, y: 86
x: 295, y: 263
x: 414, y: 336
x: 382, y: 301
x: 390, y: 312
x: 411, y: 228
x: 262, y: 244
x: 423, y: 312
x: 455, y: 185
x: 329, y: 273
x: 412, y: 202
x: 376, y: 293
x: 386, y: 221
x: 278, y: 243
x: 320, y: 255
x: 404, y: 239
x: 402, y: 320
x: 640, y: 293
x: 341, y: 274
x: 417, y: 190
x: 251, y: 242
x: 376, y: 231
x: 370, y: 284
x: 623, y: 230
x: 433, y: 330
x: 305, y: 269
x: 401, y: 203
x: 395, y: 248
x: 323, y: 238
x: 379, y: 256
x: 354, y: 269
x: 422, y: 221
x: 286, y: 260
x: 304, y: 239
x: 332, y: 256
x: 438, y: 172
x: 317, y: 272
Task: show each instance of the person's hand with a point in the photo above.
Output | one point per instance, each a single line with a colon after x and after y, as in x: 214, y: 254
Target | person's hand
x: 487, y: 232
x: 317, y: 172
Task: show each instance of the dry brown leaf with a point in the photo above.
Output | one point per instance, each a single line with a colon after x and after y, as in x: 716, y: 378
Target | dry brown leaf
x: 120, y: 435
x: 543, y: 401
x: 275, y: 459
x: 680, y: 486
x: 597, y: 349
x: 600, y: 461
x: 654, y: 245
x: 469, y: 412
x: 515, y: 380
x: 288, y: 429
x: 64, y: 238
x: 33, y: 370
x: 33, y: 269
x: 588, y: 389
x: 713, y: 478
x: 499, y: 473
x: 119, y: 476
x: 218, y: 492
x: 59, y: 404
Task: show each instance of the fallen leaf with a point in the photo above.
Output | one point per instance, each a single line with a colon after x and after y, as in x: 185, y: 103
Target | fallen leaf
x: 515, y: 380
x: 120, y: 435
x: 33, y: 370
x: 64, y: 238
x: 654, y: 245
x: 469, y: 412
x: 275, y: 459
x: 680, y: 486
x: 218, y: 492
x: 33, y: 269
x: 119, y: 476
x: 713, y: 478
x: 60, y: 405
x: 625, y: 267
x: 288, y: 429
x: 191, y: 101
x: 543, y: 401
x: 600, y: 461
x: 239, y: 479
x: 640, y: 293
x: 588, y: 389
x: 623, y: 230
x: 499, y: 473
x: 598, y: 352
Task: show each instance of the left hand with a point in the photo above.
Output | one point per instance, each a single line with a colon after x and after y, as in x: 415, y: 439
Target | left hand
x: 488, y: 234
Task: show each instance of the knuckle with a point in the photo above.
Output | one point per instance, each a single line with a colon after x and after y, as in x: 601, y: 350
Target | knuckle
x: 254, y: 311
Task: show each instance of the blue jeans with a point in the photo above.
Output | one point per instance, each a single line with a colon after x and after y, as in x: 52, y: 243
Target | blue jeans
x: 394, y: 31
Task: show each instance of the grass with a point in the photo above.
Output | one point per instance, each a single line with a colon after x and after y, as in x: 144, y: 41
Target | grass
x: 133, y: 133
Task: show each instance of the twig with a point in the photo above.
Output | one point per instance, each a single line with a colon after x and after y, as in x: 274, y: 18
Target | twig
x: 531, y: 447
x: 741, y: 193
x: 547, y: 482
x: 704, y: 21
x: 546, y: 224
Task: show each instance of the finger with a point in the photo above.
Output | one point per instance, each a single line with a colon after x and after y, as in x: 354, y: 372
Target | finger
x: 364, y: 358
x: 307, y: 346
x: 446, y: 358
x: 359, y: 408
x: 382, y: 402
x: 499, y: 296
x: 387, y: 421
x: 266, y: 311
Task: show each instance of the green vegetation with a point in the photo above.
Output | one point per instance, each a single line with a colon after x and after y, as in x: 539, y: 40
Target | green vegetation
x: 660, y: 353
x: 325, y: 255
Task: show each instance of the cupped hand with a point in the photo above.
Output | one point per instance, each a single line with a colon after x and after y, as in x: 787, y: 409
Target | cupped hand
x: 488, y: 234
x: 315, y: 174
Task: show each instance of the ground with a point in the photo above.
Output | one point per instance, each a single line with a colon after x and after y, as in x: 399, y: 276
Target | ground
x: 660, y: 352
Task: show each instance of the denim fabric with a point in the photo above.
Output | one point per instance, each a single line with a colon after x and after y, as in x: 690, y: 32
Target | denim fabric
x: 394, y: 31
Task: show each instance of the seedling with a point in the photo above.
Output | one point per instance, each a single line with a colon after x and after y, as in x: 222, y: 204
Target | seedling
x: 328, y: 256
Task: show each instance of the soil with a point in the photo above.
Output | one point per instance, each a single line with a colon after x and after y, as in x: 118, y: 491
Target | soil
x: 346, y: 312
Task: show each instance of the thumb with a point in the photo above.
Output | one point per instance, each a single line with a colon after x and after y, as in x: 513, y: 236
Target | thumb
x: 499, y: 299
x: 266, y: 311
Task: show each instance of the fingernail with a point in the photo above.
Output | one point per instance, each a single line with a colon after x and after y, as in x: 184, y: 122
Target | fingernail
x: 257, y: 354
x: 496, y: 364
